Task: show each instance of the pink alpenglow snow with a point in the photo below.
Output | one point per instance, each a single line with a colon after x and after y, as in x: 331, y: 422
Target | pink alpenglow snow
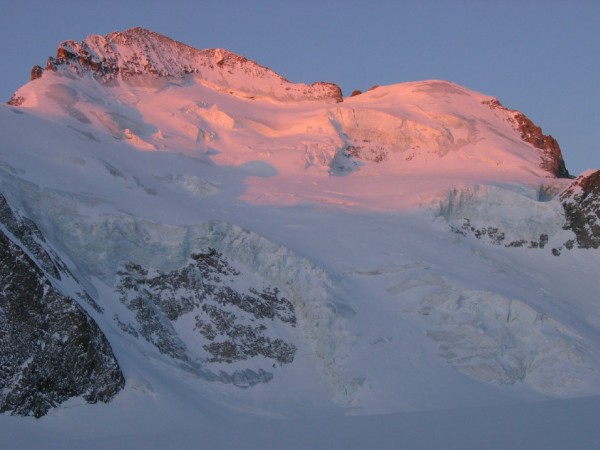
x: 297, y: 143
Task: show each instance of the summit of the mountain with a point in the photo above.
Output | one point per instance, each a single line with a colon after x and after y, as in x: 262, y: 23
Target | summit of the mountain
x: 160, y: 94
x: 138, y: 51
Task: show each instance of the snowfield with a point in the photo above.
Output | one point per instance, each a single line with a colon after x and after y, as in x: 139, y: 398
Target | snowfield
x: 434, y: 298
x: 537, y: 426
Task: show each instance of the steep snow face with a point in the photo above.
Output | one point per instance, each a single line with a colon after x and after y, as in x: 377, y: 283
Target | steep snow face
x: 509, y: 216
x: 388, y: 149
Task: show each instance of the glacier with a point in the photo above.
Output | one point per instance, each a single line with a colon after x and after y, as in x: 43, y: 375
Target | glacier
x: 275, y: 265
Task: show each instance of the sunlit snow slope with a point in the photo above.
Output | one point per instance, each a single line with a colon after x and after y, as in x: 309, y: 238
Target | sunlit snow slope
x: 263, y: 246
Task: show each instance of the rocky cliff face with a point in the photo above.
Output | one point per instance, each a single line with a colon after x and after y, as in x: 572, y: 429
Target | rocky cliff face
x: 581, y: 202
x: 51, y: 349
x: 551, y: 155
x: 552, y: 159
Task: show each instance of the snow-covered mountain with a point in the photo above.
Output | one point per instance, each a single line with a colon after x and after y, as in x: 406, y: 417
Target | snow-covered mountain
x: 186, y: 234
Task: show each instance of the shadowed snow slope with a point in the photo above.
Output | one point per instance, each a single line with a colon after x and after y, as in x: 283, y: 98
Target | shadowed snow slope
x: 260, y: 250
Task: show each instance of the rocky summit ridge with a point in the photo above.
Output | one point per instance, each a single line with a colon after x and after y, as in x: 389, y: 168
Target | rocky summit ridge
x: 138, y: 51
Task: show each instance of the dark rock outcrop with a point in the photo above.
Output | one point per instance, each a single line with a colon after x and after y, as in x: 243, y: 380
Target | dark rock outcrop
x: 495, y: 236
x: 16, y: 100
x: 36, y: 72
x: 552, y: 159
x: 234, y: 323
x: 581, y: 202
x: 50, y: 348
